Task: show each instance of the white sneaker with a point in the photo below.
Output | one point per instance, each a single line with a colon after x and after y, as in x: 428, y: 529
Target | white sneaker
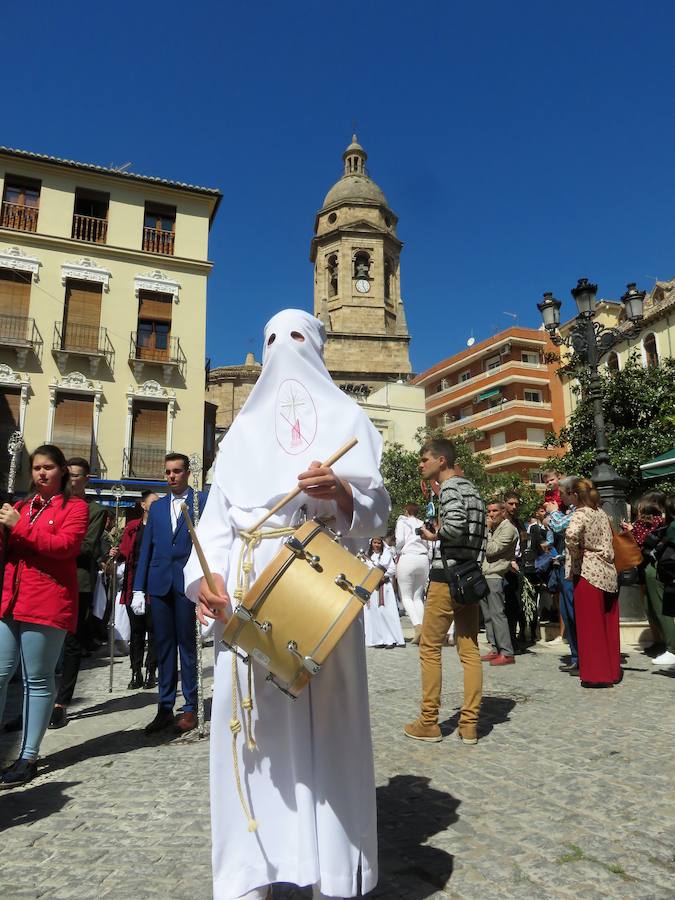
x: 666, y: 659
x: 557, y: 640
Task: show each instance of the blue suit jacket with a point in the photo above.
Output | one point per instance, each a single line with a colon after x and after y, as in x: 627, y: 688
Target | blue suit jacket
x: 164, y: 554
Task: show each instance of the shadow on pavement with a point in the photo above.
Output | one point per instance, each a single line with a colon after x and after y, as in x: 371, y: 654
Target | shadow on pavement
x: 493, y: 711
x: 136, y: 700
x: 24, y: 806
x: 409, y: 812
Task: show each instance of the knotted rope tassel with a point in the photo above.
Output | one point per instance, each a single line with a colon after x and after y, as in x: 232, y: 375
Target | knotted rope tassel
x: 250, y: 540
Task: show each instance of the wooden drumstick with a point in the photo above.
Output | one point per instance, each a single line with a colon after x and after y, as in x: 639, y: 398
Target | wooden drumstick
x: 200, y: 553
x: 296, y: 490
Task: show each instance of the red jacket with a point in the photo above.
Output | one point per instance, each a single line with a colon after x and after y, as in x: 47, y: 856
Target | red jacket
x: 128, y: 551
x: 40, y: 582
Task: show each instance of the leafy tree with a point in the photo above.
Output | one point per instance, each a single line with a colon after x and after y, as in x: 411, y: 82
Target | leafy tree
x: 639, y: 410
x: 400, y: 470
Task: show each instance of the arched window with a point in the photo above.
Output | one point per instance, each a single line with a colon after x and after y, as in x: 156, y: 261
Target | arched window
x: 388, y: 278
x: 361, y: 264
x: 651, y: 353
x: 613, y: 362
x: 332, y: 272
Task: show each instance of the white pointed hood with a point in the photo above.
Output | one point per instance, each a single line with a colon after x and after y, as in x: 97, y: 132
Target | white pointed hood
x: 295, y: 414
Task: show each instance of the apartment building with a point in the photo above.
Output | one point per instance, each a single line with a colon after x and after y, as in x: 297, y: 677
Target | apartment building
x: 102, y: 313
x: 506, y: 391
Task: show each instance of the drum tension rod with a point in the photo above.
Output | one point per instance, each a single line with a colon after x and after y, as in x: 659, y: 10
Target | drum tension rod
x: 359, y: 592
x: 310, y: 664
x: 245, y: 615
x: 297, y: 547
x: 234, y: 650
x: 269, y: 677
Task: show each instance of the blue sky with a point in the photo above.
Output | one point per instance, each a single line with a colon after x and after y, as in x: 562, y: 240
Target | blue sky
x: 522, y: 145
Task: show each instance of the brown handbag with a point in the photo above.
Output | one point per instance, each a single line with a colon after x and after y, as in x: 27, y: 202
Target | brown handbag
x: 627, y: 553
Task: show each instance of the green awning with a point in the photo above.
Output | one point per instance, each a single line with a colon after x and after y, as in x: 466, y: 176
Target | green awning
x: 660, y: 466
x: 491, y: 392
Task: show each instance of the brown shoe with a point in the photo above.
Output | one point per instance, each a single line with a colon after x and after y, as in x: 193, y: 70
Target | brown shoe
x: 486, y: 657
x: 186, y: 722
x: 467, y: 735
x: 502, y: 660
x: 419, y: 732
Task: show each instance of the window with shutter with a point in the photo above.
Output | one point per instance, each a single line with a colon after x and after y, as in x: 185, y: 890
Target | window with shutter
x: 73, y: 425
x: 82, y: 315
x: 148, y: 440
x: 14, y: 304
x: 154, y: 326
x: 10, y: 405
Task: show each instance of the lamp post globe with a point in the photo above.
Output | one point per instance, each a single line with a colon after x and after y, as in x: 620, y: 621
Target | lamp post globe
x: 550, y: 312
x: 584, y: 296
x: 633, y: 302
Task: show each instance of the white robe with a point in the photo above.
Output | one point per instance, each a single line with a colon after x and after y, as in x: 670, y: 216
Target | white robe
x: 382, y: 623
x: 310, y: 782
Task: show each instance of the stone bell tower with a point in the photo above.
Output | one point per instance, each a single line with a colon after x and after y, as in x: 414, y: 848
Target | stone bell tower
x: 357, y: 285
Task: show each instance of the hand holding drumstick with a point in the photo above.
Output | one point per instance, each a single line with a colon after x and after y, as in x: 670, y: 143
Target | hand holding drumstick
x: 213, y: 605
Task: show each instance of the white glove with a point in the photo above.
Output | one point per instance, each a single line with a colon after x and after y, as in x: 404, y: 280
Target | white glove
x: 138, y: 603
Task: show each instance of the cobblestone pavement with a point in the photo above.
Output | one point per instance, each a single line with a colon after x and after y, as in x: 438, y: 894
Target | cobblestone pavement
x: 567, y: 794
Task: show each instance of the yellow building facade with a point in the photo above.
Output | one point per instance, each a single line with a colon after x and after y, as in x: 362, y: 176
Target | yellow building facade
x: 103, y: 278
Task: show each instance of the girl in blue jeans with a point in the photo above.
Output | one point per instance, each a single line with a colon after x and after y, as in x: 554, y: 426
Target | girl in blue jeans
x: 38, y: 604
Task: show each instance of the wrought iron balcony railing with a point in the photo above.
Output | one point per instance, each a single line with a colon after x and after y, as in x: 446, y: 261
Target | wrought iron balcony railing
x: 21, y: 333
x: 91, y: 341
x: 20, y: 218
x: 144, y: 462
x: 142, y: 351
x: 86, y: 449
x: 89, y: 228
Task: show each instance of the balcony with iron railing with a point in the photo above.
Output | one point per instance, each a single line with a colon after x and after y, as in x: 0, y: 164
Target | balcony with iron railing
x: 87, y: 450
x: 88, y: 341
x: 142, y: 352
x: 18, y: 216
x: 89, y: 228
x: 21, y: 334
x: 144, y: 462
x: 157, y: 241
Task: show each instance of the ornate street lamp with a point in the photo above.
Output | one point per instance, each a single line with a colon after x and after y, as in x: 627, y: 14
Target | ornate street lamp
x: 591, y: 341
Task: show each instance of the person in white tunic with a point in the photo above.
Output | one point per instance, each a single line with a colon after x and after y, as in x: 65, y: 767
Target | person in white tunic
x: 308, y: 781
x: 412, y: 569
x: 380, y: 615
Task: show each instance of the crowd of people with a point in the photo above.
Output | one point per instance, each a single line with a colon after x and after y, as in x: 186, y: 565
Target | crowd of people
x: 464, y: 562
x: 558, y: 564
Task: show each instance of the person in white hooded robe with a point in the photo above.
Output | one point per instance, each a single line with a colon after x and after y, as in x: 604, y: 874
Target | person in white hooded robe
x: 309, y: 779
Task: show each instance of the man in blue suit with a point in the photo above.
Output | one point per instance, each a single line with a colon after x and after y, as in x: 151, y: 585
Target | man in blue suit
x: 165, y: 549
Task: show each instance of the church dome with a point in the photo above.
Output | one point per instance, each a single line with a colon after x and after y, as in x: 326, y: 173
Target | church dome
x: 359, y: 188
x: 355, y: 185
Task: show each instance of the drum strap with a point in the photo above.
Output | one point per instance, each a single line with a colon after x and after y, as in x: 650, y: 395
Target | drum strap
x: 250, y: 540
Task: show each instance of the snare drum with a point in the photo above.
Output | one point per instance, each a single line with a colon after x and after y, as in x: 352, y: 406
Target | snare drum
x: 301, y: 605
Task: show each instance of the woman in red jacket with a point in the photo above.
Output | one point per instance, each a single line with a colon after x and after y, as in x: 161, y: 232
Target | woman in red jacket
x: 43, y: 534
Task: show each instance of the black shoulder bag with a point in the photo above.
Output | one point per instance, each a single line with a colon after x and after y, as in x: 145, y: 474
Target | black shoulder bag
x: 466, y: 580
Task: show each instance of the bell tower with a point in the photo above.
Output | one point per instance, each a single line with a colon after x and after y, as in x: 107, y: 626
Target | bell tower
x: 357, y: 285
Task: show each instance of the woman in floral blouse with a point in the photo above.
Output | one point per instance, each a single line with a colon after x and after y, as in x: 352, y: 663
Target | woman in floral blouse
x: 590, y: 564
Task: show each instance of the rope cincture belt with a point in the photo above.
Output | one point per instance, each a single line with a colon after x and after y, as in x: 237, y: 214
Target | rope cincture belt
x: 250, y: 540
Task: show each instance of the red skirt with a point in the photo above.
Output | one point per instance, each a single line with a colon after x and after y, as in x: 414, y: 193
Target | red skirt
x: 596, y: 614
